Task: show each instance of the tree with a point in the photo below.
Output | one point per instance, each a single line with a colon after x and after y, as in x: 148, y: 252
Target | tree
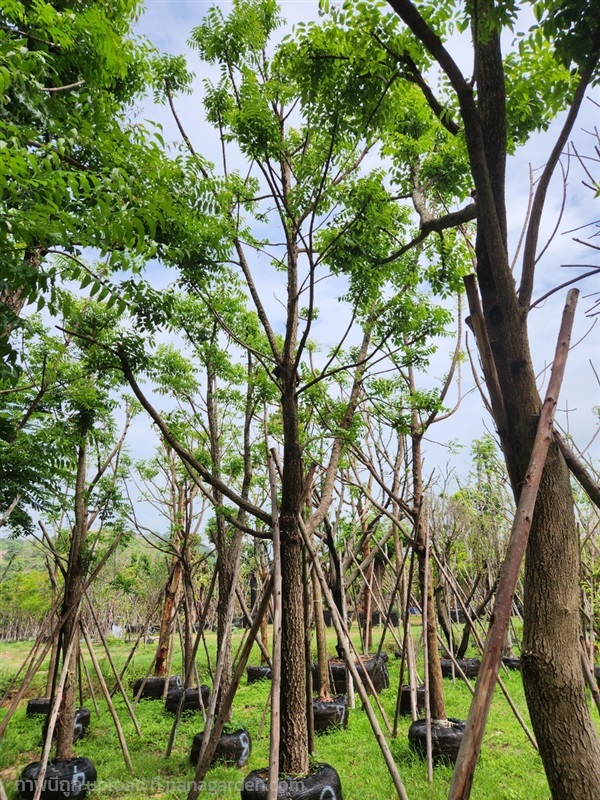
x: 303, y: 209
x: 562, y: 52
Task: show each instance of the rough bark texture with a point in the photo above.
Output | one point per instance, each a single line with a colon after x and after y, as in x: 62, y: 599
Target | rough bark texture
x: 293, y: 749
x: 434, y: 669
x: 166, y: 624
x: 72, y: 599
x: 552, y: 677
x: 226, y: 563
x: 322, y: 654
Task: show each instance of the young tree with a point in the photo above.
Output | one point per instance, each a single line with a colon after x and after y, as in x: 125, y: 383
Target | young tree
x: 303, y: 209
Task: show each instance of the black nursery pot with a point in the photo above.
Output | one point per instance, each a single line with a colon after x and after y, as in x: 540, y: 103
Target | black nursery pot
x: 330, y: 715
x: 155, y: 687
x: 374, y: 665
x: 233, y: 748
x: 38, y: 705
x: 191, y: 700
x: 470, y: 666
x: 64, y: 779
x: 255, y: 674
x: 321, y: 784
x: 80, y: 724
x: 446, y: 736
x: 405, y: 708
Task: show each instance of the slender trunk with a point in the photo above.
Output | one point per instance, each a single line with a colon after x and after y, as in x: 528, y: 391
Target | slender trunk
x: 436, y: 681
x: 72, y: 599
x: 166, y: 625
x: 367, y: 603
x: 322, y: 654
x: 293, y: 751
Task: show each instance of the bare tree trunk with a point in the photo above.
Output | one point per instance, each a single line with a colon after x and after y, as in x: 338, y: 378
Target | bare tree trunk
x: 168, y: 613
x: 322, y: 654
x: 73, y: 598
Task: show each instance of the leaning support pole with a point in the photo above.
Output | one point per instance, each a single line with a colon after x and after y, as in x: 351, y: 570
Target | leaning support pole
x: 209, y: 733
x: 351, y: 666
x: 462, y: 779
x: 112, y: 666
x: 201, y: 624
x: 108, y: 699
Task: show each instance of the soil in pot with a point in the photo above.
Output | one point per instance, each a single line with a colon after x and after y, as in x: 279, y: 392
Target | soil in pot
x: 446, y: 736
x: 191, y: 700
x: 323, y: 783
x: 405, y: 708
x: 330, y: 715
x: 255, y: 674
x: 470, y: 666
x: 233, y: 748
x: 155, y: 687
x: 64, y: 779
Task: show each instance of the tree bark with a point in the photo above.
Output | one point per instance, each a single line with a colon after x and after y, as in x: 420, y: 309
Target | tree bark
x: 324, y: 686
x: 73, y: 597
x: 293, y: 751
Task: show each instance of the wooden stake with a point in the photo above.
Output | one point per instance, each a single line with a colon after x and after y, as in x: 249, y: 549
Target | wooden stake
x: 108, y: 699
x: 112, y: 666
x: 462, y: 779
x: 426, y: 656
x: 89, y: 683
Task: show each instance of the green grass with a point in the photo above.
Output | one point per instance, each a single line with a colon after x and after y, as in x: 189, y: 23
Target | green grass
x: 508, y: 768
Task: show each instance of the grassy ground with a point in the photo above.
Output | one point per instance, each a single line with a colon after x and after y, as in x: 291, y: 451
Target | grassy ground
x: 508, y: 768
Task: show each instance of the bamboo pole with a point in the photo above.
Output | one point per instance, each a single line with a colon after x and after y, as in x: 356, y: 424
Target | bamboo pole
x: 108, y: 699
x: 462, y: 779
x: 89, y: 683
x: 201, y: 623
x: 589, y: 676
x: 480, y: 644
x: 351, y: 666
x: 113, y: 667
x: 406, y: 623
x: 209, y: 734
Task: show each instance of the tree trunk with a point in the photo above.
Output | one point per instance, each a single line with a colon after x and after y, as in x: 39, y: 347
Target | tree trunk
x: 550, y: 661
x: 72, y: 600
x: 293, y: 750
x: 227, y: 557
x: 324, y: 686
x: 434, y: 668
x: 166, y: 625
